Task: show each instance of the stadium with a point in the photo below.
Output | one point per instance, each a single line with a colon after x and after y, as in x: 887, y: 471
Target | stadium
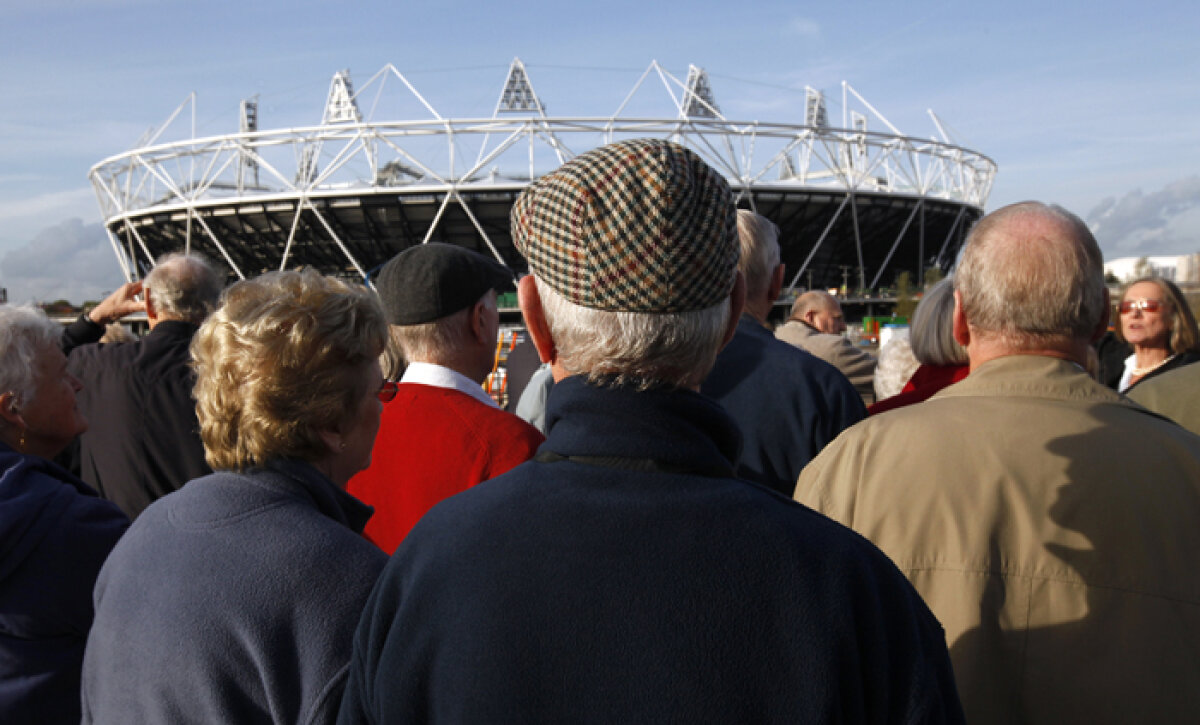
x: 857, y: 201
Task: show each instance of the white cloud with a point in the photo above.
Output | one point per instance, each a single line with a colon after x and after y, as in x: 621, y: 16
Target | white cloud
x: 1164, y: 222
x: 71, y: 260
x: 51, y: 205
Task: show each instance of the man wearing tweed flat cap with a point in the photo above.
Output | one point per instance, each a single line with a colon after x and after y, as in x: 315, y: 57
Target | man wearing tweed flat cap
x: 625, y: 574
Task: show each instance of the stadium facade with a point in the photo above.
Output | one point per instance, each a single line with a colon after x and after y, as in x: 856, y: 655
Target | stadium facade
x: 857, y: 201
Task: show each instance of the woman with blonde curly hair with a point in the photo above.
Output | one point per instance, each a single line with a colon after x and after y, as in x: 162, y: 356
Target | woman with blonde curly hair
x: 235, y: 598
x: 1155, y: 320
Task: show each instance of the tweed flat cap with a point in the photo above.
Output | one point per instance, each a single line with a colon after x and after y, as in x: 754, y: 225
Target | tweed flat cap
x: 430, y: 281
x: 635, y: 226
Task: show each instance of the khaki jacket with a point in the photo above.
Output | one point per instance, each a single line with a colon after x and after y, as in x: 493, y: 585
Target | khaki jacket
x: 1054, y: 529
x: 857, y: 365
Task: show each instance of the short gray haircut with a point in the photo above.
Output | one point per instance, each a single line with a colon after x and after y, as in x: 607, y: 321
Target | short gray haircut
x: 932, y: 333
x: 758, y: 238
x: 1031, y: 273
x: 184, y: 287
x: 429, y: 340
x: 643, y: 349
x: 24, y: 332
x: 813, y: 300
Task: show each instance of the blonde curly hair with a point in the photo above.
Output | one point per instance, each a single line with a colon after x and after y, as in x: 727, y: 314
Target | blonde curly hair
x: 280, y: 361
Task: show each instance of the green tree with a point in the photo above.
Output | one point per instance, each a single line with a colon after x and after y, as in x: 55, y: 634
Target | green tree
x: 905, y: 304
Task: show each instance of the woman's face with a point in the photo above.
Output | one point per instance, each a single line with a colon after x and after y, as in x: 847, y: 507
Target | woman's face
x: 1143, y: 327
x: 52, y: 418
x: 358, y: 435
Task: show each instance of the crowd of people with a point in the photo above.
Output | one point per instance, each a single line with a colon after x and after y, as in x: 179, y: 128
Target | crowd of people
x: 291, y: 501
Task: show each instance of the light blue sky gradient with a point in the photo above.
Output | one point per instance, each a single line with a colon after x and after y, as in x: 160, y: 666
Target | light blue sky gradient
x: 1091, y: 105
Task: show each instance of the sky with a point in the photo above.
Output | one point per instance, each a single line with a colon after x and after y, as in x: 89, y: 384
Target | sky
x: 1093, y: 106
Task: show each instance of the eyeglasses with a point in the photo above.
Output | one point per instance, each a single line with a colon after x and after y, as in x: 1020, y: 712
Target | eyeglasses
x: 1143, y: 304
x: 387, y: 391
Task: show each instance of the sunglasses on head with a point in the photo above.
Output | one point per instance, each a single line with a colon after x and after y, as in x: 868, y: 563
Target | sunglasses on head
x: 387, y: 391
x: 1144, y: 305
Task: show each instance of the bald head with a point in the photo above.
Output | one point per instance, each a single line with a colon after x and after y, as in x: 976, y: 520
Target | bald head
x: 1031, y: 275
x: 819, y: 310
x: 182, y: 287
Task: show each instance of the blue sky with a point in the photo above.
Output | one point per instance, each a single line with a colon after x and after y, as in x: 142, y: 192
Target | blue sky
x: 1091, y: 105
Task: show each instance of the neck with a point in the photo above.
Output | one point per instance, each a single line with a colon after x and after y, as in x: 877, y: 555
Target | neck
x: 1147, y: 356
x: 981, y: 351
x: 758, y: 311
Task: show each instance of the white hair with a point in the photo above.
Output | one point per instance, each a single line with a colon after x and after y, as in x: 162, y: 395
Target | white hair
x: 758, y: 238
x: 183, y: 287
x: 932, y: 333
x: 634, y: 348
x: 24, y: 332
x: 1031, y: 273
x: 432, y: 340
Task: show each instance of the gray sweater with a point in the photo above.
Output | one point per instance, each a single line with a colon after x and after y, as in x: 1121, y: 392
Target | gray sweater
x: 233, y: 599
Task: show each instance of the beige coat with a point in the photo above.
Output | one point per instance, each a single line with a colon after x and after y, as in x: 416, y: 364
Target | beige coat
x: 1054, y: 529
x: 857, y: 365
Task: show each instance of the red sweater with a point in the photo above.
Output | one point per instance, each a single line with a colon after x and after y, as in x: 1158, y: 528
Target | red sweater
x: 434, y: 443
x: 927, y: 380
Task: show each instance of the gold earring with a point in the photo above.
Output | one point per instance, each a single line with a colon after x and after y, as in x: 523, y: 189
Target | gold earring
x: 21, y: 442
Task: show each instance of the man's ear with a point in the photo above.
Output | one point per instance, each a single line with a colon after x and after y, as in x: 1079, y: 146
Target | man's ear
x: 151, y: 310
x: 737, y: 301
x: 530, y: 303
x: 478, y: 323
x: 962, y: 331
x: 1105, y: 316
x: 776, y: 285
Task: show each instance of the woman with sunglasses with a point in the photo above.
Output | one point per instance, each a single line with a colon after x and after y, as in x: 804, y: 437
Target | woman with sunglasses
x: 1157, y: 323
x: 235, y: 598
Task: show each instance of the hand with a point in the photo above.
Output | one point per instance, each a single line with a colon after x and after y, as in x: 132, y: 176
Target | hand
x: 119, y: 304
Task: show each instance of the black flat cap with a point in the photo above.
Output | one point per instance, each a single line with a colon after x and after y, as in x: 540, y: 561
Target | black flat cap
x: 430, y: 281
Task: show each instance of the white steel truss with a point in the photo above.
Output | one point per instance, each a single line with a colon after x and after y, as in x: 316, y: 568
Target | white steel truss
x: 349, y: 156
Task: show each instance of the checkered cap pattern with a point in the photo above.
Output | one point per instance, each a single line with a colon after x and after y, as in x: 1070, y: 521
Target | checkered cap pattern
x: 635, y: 226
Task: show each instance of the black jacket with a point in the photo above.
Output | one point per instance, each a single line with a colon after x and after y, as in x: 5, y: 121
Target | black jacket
x: 143, y: 439
x: 624, y: 575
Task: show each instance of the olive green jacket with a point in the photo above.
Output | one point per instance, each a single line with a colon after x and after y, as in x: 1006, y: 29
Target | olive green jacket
x: 1051, y: 525
x: 1175, y: 394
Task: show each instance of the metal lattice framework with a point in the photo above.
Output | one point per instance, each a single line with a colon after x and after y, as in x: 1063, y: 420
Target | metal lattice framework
x: 347, y: 194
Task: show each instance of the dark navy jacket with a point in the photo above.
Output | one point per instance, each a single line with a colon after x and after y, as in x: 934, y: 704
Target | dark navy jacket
x: 232, y: 600
x: 624, y: 576
x: 54, y: 535
x: 788, y: 403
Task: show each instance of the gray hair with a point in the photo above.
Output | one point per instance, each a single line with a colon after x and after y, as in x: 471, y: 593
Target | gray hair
x: 430, y: 340
x: 758, y: 238
x: 634, y: 348
x: 932, y: 334
x: 24, y: 332
x: 812, y: 300
x: 1031, y: 273
x: 184, y: 287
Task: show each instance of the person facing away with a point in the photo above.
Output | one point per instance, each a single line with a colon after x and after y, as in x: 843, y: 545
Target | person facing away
x: 788, y: 403
x: 234, y: 599
x: 442, y: 433
x: 54, y: 530
x: 1049, y: 522
x: 145, y: 441
x: 816, y: 324
x: 625, y: 574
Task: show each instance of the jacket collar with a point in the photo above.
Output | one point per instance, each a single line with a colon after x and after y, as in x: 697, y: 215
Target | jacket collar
x: 672, y: 426
x: 1034, y: 376
x: 302, y: 479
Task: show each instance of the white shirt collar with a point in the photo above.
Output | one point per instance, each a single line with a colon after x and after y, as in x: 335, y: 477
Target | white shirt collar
x: 443, y: 377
